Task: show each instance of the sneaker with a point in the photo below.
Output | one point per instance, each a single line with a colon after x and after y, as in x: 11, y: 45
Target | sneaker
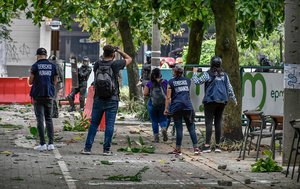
x: 218, y: 149
x: 197, y: 151
x: 50, y: 147
x: 85, y: 152
x: 206, y: 149
x: 164, y: 134
x: 108, y: 153
x: 176, y: 152
x: 41, y: 147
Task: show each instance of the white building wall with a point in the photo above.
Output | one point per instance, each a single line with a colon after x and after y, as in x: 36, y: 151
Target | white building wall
x: 26, y: 39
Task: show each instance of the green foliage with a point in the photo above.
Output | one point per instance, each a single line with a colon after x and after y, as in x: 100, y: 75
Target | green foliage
x: 81, y: 123
x: 34, y: 132
x: 247, y: 57
x: 106, y: 162
x: 135, y: 178
x: 266, y: 165
x: 256, y: 19
x: 131, y: 106
x: 10, y: 126
x: 141, y: 148
x: 264, y: 46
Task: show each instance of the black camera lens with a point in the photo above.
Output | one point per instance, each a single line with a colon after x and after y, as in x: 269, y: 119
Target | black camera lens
x: 199, y: 70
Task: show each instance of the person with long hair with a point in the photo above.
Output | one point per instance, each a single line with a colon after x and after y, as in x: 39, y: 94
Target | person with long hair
x: 156, y: 90
x: 217, y: 91
x: 179, y: 105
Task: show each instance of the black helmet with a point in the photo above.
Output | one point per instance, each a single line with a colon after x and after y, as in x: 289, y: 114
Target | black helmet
x: 86, y: 59
x: 215, y: 61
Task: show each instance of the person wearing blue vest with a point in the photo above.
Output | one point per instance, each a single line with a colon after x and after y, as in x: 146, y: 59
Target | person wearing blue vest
x: 179, y: 105
x: 217, y: 91
x: 43, y: 78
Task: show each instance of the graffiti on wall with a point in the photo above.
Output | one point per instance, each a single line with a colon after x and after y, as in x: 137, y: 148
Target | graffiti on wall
x: 14, y: 51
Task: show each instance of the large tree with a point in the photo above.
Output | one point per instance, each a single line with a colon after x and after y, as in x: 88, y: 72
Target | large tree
x: 226, y: 48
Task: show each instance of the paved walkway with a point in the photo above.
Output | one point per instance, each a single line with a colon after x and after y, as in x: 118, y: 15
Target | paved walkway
x: 65, y: 167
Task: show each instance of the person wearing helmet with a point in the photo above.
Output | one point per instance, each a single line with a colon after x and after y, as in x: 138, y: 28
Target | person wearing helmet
x: 217, y: 91
x: 83, y: 75
x: 146, y: 70
x: 179, y: 106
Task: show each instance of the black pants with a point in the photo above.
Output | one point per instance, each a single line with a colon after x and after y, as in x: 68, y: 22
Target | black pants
x: 71, y: 96
x: 43, y: 111
x: 213, y: 112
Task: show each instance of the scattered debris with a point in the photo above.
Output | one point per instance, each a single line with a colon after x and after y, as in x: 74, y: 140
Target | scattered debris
x: 224, y: 183
x: 135, y: 178
x: 222, y: 167
x: 106, y: 162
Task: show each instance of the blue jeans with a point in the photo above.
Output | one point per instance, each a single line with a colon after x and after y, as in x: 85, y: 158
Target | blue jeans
x: 188, y: 116
x: 43, y: 111
x: 110, y: 107
x: 157, y: 117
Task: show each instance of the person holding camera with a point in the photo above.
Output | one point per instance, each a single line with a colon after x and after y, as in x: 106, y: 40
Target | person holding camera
x: 179, y: 105
x: 106, y: 98
x: 217, y: 91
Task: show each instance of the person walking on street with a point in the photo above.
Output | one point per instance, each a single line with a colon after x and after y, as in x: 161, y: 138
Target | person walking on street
x: 43, y: 78
x: 217, y: 91
x: 83, y: 75
x: 156, y: 89
x: 178, y: 97
x: 106, y: 97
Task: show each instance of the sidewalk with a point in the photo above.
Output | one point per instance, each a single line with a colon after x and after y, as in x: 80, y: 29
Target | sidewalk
x: 65, y: 167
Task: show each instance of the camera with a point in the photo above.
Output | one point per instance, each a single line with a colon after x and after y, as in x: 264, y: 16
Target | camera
x: 199, y: 70
x: 116, y: 48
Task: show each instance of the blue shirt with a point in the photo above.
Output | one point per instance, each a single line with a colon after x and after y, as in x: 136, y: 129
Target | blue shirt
x: 43, y: 83
x: 180, y: 97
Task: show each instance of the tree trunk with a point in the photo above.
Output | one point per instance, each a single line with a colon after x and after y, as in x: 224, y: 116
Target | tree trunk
x: 3, y: 68
x: 132, y: 69
x: 292, y: 56
x: 195, y: 42
x: 226, y: 48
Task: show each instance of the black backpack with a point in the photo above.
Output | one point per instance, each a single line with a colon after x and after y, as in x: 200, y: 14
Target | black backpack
x: 104, y: 81
x: 157, y: 96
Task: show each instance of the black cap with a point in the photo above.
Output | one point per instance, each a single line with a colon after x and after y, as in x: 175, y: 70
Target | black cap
x: 41, y: 51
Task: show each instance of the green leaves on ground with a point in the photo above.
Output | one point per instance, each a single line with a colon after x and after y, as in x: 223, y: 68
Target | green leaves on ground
x: 142, y: 148
x: 135, y: 178
x: 11, y: 126
x: 106, y: 162
x: 267, y: 164
x: 81, y: 123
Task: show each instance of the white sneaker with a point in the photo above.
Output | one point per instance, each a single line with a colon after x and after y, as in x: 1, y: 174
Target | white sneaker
x: 41, y: 147
x: 50, y: 147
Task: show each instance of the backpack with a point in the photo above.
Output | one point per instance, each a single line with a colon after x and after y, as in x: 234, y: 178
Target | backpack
x: 216, y: 90
x: 157, y: 96
x: 104, y: 80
